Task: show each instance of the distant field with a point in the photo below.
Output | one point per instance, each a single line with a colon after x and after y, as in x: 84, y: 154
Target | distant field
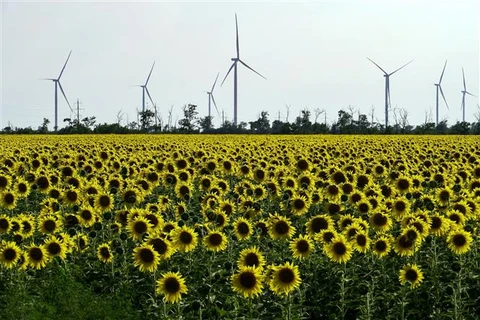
x: 228, y: 227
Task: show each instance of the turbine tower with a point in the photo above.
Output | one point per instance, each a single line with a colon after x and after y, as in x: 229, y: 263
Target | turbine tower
x: 439, y: 88
x: 211, y: 98
x: 464, y: 92
x: 57, y: 85
x: 145, y: 89
x: 387, y: 87
x: 234, y: 67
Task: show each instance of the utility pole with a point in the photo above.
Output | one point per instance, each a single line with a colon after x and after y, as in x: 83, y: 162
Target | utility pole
x: 78, y: 113
x: 223, y: 118
x: 155, y: 107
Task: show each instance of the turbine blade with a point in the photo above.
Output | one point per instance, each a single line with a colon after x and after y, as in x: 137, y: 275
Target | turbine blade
x: 251, y: 69
x: 148, y: 78
x: 471, y: 94
x: 439, y: 82
x: 231, y: 67
x: 406, y: 64
x: 377, y: 65
x: 215, y: 104
x: 236, y: 29
x: 464, y: 84
x: 149, y: 96
x: 61, y: 72
x: 48, y: 79
x: 213, y: 87
x: 63, y: 92
x: 443, y: 96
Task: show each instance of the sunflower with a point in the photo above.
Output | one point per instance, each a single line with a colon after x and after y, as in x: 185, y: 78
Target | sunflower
x: 86, y: 216
x: 280, y: 227
x: 403, y: 184
x: 5, y: 224
x: 440, y: 225
x: 55, y: 247
x: 400, y: 207
x: 146, y: 258
x: 104, y: 253
x: 251, y: 257
x: 8, y: 200
x: 284, y: 278
x: 299, y: 205
x: 9, y: 254
x: 172, y: 286
x: 382, y: 245
x: 37, y: 256
x: 364, y: 206
x: 345, y: 221
x: 338, y: 249
x: 243, y: 229
x: 162, y: 245
x: 380, y: 221
x: 80, y: 241
x: 318, y: 223
x: 215, y: 241
x: 103, y: 202
x: 456, y: 217
x: 302, y: 247
x: 444, y: 195
x: 184, y: 239
x: 132, y: 196
x: 247, y: 282
x: 332, y: 192
x: 459, y: 241
x: 71, y: 196
x: 138, y: 227
x: 405, y: 245
x: 412, y: 275
x: 27, y: 225
x: 49, y: 224
x: 22, y: 188
x: 361, y: 242
x: 326, y: 235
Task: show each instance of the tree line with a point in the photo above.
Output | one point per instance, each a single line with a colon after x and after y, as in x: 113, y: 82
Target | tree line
x: 348, y: 122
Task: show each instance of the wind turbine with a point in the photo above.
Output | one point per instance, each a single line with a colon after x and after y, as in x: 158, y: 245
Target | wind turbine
x: 234, y: 67
x: 145, y: 89
x: 387, y: 87
x: 58, y: 84
x: 439, y: 88
x: 464, y: 92
x: 211, y: 98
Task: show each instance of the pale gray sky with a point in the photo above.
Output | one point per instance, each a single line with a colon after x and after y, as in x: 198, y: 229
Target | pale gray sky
x: 312, y: 53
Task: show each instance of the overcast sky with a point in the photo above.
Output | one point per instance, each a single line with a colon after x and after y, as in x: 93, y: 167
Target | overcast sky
x: 313, y: 55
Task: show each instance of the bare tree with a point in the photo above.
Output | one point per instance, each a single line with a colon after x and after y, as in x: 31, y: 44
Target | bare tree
x: 403, y: 114
x: 318, y: 113
x: 372, y: 113
x: 120, y: 115
x: 351, y: 109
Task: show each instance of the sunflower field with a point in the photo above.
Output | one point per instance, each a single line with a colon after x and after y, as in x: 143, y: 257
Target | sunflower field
x: 239, y: 227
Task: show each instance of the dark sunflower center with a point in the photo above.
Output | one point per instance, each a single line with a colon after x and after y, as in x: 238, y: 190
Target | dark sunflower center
x: 302, y: 164
x: 251, y: 260
x: 54, y: 248
x: 339, y: 177
x: 49, y: 225
x: 27, y: 227
x: 363, y: 207
x: 146, y: 255
x: 400, y: 206
x: 361, y: 240
x: 168, y: 227
x: 379, y: 219
x: 454, y: 217
x: 444, y: 195
x: 3, y: 182
x: 104, y: 201
x: 347, y: 188
x: 405, y: 242
x: 332, y: 190
x: 362, y: 181
x: 9, y: 198
x: 186, y: 237
x: 281, y: 227
x: 4, y: 224
x: 299, y: 204
x: 319, y: 224
x: 459, y: 240
x: 159, y: 245
x: 184, y: 190
x: 356, y: 197
x: 411, y: 275
x: 36, y: 254
x: 328, y: 236
x: 346, y: 222
x: 243, y: 228
x: 105, y: 253
x: 130, y: 196
x: 333, y: 208
x: 54, y: 193
x: 436, y: 223
x: 172, y: 285
x: 303, y: 246
x: 352, y: 232
x: 140, y: 227
x: 9, y: 254
x: 86, y: 215
x: 22, y: 188
x: 412, y: 235
x: 403, y: 184
x: 461, y: 208
x: 286, y: 275
x: 72, y: 196
x: 339, y: 248
x: 380, y: 246
x: 215, y: 239
x: 43, y: 183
